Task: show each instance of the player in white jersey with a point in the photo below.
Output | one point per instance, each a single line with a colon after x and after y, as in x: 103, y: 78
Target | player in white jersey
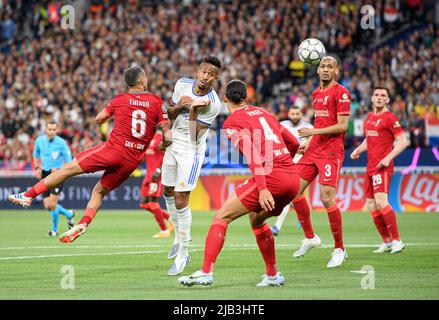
x: 195, y: 105
x: 294, y: 123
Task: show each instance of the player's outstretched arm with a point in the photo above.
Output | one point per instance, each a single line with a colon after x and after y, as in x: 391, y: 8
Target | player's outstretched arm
x: 290, y: 140
x: 167, y: 137
x: 400, y: 145
x: 102, y: 116
x: 359, y: 150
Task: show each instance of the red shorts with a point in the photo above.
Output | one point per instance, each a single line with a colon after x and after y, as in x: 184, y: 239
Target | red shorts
x: 283, y: 186
x: 327, y: 169
x: 99, y: 158
x: 377, y: 182
x: 151, y: 189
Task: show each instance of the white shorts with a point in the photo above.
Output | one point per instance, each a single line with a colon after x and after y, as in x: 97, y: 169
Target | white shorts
x: 181, y: 169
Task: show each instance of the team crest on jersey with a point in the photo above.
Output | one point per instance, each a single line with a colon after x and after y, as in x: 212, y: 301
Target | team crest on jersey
x: 397, y: 124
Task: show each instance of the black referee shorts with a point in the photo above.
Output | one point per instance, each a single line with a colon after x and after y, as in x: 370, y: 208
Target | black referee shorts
x: 57, y: 190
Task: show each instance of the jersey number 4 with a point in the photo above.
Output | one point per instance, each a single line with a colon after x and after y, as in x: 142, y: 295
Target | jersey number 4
x: 138, y: 123
x: 268, y: 133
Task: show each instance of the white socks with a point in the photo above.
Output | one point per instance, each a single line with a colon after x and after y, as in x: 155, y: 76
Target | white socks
x: 281, y: 218
x: 170, y: 205
x: 184, y: 229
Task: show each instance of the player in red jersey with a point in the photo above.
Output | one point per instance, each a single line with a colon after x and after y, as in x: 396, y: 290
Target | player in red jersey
x: 136, y: 113
x: 268, y: 148
x: 152, y: 187
x: 323, y: 156
x: 382, y: 130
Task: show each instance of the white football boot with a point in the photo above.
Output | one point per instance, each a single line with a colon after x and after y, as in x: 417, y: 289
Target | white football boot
x: 174, y: 250
x: 179, y: 264
x: 338, y: 257
x: 199, y: 278
x: 277, y: 280
x: 306, y: 245
x: 384, y: 247
x: 397, y: 246
x: 20, y: 199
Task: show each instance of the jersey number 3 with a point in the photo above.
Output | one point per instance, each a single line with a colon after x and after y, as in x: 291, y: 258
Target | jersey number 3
x: 138, y: 123
x: 268, y: 133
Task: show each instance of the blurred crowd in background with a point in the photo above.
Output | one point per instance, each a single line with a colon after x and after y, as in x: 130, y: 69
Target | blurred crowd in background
x: 70, y: 75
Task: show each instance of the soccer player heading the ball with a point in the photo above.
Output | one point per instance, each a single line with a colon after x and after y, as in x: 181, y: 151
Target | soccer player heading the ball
x: 136, y: 113
x: 268, y: 148
x: 323, y: 156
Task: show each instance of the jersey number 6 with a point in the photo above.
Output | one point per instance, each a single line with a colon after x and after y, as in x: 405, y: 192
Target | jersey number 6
x: 138, y: 120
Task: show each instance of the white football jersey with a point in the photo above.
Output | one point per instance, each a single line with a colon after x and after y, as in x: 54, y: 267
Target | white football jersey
x: 180, y: 127
x: 294, y: 129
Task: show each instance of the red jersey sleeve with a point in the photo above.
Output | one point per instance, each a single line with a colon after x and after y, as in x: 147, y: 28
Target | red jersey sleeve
x: 393, y: 125
x: 162, y: 115
x: 242, y: 138
x: 343, y: 101
x: 112, y: 105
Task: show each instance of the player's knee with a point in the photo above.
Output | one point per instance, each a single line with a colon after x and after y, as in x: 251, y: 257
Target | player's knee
x: 168, y: 191
x: 181, y: 200
x: 370, y: 204
x: 327, y: 200
x: 381, y: 203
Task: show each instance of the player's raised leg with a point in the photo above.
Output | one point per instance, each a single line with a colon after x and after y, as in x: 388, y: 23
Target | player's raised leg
x: 380, y: 224
x: 339, y: 255
x: 389, y: 217
x: 93, y: 205
x: 52, y: 180
x: 304, y: 216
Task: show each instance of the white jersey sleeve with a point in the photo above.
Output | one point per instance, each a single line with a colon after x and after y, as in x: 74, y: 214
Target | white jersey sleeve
x: 177, y: 93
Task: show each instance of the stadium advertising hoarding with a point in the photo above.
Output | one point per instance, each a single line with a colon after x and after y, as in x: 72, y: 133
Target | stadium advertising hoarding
x: 408, y: 193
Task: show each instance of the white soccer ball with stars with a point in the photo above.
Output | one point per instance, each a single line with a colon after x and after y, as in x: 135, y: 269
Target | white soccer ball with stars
x: 311, y: 51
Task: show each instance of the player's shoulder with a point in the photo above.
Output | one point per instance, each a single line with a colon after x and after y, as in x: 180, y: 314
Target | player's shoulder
x: 184, y: 81
x: 340, y: 89
x: 40, y: 139
x: 60, y: 140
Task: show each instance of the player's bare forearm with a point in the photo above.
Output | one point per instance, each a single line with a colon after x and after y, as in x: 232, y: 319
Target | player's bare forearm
x: 362, y: 147
x: 174, y: 111
x: 401, y: 144
x: 37, y: 167
x: 102, y: 117
x: 340, y: 127
x: 167, y: 137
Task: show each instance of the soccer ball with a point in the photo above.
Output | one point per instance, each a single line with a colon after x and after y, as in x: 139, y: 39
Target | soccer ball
x: 311, y: 51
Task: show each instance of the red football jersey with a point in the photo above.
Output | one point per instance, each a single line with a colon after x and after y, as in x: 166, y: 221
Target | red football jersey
x: 381, y: 131
x: 266, y: 137
x: 154, y: 157
x: 136, y: 116
x: 328, y: 104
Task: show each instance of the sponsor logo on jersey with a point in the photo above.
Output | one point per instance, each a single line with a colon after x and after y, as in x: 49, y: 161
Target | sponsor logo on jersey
x: 321, y: 113
x: 372, y: 133
x: 344, y: 98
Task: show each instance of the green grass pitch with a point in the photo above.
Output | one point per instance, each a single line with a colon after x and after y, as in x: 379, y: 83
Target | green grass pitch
x: 118, y: 259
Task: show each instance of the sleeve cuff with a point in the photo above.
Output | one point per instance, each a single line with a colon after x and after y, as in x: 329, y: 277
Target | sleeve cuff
x: 205, y: 123
x: 346, y: 113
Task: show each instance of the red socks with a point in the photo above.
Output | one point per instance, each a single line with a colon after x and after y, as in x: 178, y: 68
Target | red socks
x: 214, y: 243
x: 390, y: 219
x: 265, y: 240
x: 381, y: 226
x: 159, y: 214
x: 334, y: 216
x: 89, y: 215
x: 303, y: 214
x: 37, y: 189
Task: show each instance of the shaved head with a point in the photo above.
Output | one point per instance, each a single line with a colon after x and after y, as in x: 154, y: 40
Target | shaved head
x: 330, y: 58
